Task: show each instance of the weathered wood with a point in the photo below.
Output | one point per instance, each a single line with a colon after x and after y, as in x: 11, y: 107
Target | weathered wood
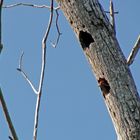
x: 100, y: 46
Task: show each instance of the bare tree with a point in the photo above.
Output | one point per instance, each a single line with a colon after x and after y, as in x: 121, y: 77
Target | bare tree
x: 100, y: 46
x: 97, y: 37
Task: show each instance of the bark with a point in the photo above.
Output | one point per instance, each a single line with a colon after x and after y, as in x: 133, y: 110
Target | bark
x: 100, y: 46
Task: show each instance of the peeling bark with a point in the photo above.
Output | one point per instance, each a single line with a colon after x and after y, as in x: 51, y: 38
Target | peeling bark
x: 100, y: 46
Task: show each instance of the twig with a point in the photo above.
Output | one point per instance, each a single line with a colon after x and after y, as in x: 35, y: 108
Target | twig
x: 134, y: 52
x: 24, y: 74
x: 112, y: 17
x: 7, y: 116
x: 26, y: 4
x: 58, y: 30
x: 42, y: 72
x: 29, y: 5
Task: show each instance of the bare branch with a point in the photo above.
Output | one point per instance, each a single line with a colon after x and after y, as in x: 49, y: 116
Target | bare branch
x: 26, y: 4
x: 134, y: 52
x: 20, y: 62
x: 7, y: 116
x: 2, y: 100
x: 58, y: 30
x: 42, y: 72
x: 39, y: 91
x: 112, y: 17
x: 24, y: 74
x: 29, y: 5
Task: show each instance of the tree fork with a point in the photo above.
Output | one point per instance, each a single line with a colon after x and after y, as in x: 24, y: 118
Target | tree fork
x: 101, y: 48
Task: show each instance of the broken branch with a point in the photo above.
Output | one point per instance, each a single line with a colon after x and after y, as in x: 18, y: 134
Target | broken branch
x: 134, y: 52
x: 112, y: 17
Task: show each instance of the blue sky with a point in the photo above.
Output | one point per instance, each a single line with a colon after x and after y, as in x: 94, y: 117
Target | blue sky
x: 72, y: 106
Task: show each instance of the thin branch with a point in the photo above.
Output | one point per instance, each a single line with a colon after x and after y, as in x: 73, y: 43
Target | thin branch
x: 42, y: 72
x: 58, y: 30
x: 134, y: 52
x: 44, y: 48
x: 29, y: 5
x: 20, y: 62
x: 26, y: 4
x: 2, y: 100
x: 24, y: 74
x: 112, y: 17
x: 7, y: 116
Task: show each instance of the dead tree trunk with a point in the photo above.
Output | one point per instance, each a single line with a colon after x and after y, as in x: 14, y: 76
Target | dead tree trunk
x: 100, y: 46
